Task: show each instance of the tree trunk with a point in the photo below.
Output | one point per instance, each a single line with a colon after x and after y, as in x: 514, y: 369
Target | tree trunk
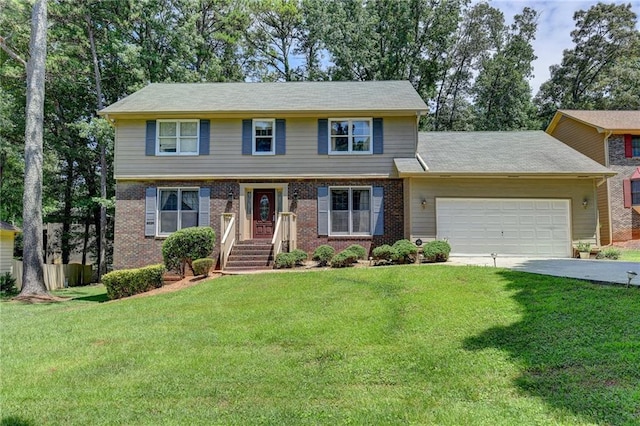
x: 33, y: 274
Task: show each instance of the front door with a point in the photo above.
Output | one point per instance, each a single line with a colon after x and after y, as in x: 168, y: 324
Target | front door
x: 264, y: 213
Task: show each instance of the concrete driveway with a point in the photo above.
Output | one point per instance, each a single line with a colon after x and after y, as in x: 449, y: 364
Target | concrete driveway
x: 608, y: 271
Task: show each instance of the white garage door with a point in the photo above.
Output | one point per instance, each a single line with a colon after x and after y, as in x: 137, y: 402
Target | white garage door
x: 524, y: 227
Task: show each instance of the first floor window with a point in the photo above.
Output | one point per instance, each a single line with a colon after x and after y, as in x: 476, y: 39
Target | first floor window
x: 635, y: 146
x: 177, y: 137
x: 350, y: 211
x: 263, y: 136
x: 635, y: 192
x: 178, y: 209
x: 350, y: 136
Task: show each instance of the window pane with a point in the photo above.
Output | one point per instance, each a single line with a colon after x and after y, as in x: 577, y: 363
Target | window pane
x: 168, y: 222
x: 339, y: 127
x: 189, y: 219
x: 188, y: 145
x: 189, y: 128
x: 168, y: 200
x: 190, y: 200
x: 360, y: 144
x: 635, y: 192
x: 263, y: 144
x: 635, y: 146
x: 340, y: 222
x: 361, y: 222
x: 360, y: 128
x: 263, y: 128
x: 167, y: 144
x: 340, y: 144
x: 168, y: 128
x: 340, y: 199
x: 361, y: 199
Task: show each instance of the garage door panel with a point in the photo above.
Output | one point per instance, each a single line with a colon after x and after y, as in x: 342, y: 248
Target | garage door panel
x: 534, y: 227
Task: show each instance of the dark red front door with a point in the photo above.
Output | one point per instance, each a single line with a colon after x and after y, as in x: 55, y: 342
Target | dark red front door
x: 264, y: 213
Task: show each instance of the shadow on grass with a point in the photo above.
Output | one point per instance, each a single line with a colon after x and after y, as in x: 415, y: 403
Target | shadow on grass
x: 99, y: 298
x: 15, y: 421
x: 578, y: 343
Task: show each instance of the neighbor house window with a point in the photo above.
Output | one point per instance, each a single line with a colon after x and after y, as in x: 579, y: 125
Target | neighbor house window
x: 264, y: 133
x: 635, y: 192
x: 635, y: 146
x: 177, y: 209
x: 350, y: 211
x: 177, y: 137
x: 350, y: 136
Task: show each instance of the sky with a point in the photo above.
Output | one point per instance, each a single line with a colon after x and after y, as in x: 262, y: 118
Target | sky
x: 555, y: 24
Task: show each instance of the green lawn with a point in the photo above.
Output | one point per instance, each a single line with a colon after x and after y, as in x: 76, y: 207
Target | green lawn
x: 377, y: 346
x: 629, y: 255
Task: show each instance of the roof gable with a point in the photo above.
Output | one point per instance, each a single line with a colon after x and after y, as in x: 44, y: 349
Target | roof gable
x: 601, y: 120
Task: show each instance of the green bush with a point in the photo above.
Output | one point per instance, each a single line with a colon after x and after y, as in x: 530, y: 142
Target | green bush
x: 202, y: 266
x: 127, y: 282
x: 343, y: 259
x: 405, y: 252
x: 436, y: 251
x: 610, y: 253
x: 7, y: 284
x: 383, y: 253
x: 360, y: 252
x: 285, y: 261
x: 299, y: 256
x: 186, y: 245
x: 323, y: 254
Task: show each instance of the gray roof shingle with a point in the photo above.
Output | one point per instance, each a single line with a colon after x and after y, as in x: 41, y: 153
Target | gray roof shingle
x: 5, y: 226
x: 518, y: 152
x: 606, y: 119
x: 271, y: 97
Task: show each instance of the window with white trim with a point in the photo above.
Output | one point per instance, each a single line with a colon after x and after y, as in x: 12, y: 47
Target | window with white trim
x: 350, y: 211
x: 177, y: 137
x: 264, y: 136
x: 635, y: 146
x: 350, y: 136
x: 177, y: 209
x: 635, y: 192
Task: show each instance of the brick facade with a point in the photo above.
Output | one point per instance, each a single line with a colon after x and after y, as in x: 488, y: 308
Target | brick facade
x: 625, y: 222
x: 132, y: 249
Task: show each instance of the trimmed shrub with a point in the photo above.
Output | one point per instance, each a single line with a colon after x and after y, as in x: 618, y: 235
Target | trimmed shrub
x: 202, y: 266
x: 299, y: 256
x: 186, y: 245
x: 610, y: 253
x: 285, y: 261
x: 405, y: 252
x: 127, y: 282
x: 383, y: 253
x: 323, y: 254
x: 343, y: 259
x: 436, y: 251
x: 358, y: 250
x: 7, y: 284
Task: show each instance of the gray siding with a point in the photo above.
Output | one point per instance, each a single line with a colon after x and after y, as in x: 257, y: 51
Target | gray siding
x: 226, y: 159
x: 423, y: 220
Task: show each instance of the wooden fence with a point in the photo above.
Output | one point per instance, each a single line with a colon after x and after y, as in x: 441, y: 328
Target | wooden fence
x: 58, y: 276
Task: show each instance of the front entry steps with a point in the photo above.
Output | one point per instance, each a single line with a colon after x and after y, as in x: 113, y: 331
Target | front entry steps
x: 250, y: 255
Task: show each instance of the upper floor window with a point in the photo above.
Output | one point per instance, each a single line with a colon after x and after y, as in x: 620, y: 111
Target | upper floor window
x: 177, y: 137
x: 264, y: 134
x: 177, y: 209
x: 350, y: 136
x: 635, y: 147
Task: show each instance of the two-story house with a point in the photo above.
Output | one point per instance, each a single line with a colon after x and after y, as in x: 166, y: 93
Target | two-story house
x: 612, y: 138
x: 310, y: 163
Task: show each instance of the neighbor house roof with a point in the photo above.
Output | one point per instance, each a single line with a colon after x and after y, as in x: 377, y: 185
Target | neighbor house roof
x: 517, y: 153
x: 290, y: 97
x: 602, y: 120
x: 5, y: 226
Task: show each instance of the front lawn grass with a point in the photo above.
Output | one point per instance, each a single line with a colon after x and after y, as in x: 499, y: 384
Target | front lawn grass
x: 424, y: 344
x: 630, y: 255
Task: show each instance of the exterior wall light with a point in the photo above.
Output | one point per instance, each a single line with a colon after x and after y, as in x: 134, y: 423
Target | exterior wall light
x: 230, y: 195
x: 585, y: 203
x: 423, y: 203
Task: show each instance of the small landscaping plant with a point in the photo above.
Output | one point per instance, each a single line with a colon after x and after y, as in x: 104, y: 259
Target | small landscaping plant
x: 202, y: 266
x: 610, y: 253
x: 358, y: 250
x: 343, y: 259
x: 299, y: 256
x: 405, y: 252
x: 186, y: 245
x: 383, y: 253
x: 583, y: 247
x: 127, y: 282
x: 323, y: 254
x: 285, y: 261
x: 7, y: 285
x: 436, y: 251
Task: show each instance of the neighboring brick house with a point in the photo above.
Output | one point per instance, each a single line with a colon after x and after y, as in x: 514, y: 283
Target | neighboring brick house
x: 612, y: 138
x: 309, y: 163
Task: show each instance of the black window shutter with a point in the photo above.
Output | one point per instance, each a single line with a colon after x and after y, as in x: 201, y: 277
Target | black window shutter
x: 150, y: 138
x: 281, y: 136
x: 205, y: 129
x: 378, y: 145
x: 247, y: 137
x: 323, y: 136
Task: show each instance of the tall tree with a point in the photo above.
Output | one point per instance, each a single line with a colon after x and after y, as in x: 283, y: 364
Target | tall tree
x: 607, y: 46
x: 33, y: 275
x: 502, y: 96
